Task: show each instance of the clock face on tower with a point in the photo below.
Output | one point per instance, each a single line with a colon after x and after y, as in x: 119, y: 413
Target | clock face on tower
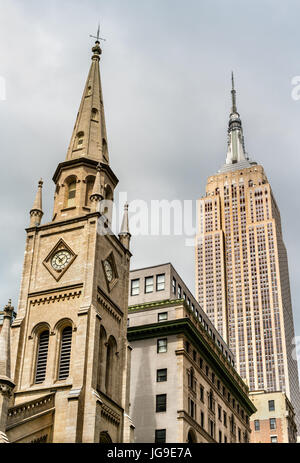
x: 108, y: 270
x: 60, y: 260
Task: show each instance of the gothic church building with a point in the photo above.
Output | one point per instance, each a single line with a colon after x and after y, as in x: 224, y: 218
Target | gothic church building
x: 64, y: 360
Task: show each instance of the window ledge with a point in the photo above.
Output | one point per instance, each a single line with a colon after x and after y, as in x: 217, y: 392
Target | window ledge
x: 68, y: 209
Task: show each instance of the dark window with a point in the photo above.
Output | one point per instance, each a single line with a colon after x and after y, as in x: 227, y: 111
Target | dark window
x: 202, y: 393
x: 160, y: 282
x: 239, y: 434
x: 271, y: 405
x: 187, y: 347
x: 174, y: 285
x: 220, y: 437
x: 225, y: 419
x: 160, y: 436
x: 194, y: 355
x: 191, y: 378
x: 179, y: 292
x: 272, y: 423
x: 42, y: 355
x: 211, y: 425
x: 201, y: 362
x: 202, y: 419
x: 161, y: 375
x: 206, y: 370
x: 161, y: 402
x: 65, y: 353
x: 162, y: 345
x: 163, y: 316
x: 219, y: 412
x: 192, y: 409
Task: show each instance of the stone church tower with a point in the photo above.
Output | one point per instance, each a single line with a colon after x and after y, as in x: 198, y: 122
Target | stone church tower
x: 70, y: 357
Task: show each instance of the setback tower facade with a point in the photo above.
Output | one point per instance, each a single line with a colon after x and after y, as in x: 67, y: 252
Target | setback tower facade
x: 242, y: 278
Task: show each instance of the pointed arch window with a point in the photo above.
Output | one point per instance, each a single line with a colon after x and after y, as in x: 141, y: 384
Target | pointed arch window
x: 65, y: 353
x: 111, y: 366
x: 79, y: 140
x: 71, y: 194
x: 89, y: 189
x: 104, y: 148
x: 42, y: 355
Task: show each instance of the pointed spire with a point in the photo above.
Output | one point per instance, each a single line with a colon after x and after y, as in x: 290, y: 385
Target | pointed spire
x: 233, y: 94
x: 36, y: 213
x: 97, y: 193
x: 6, y: 384
x: 124, y: 234
x: 89, y: 138
x: 236, y: 147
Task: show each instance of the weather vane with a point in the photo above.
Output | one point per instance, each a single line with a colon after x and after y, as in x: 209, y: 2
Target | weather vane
x: 97, y: 37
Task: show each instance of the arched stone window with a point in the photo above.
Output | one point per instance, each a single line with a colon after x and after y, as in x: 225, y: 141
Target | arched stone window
x: 191, y: 439
x: 90, y: 180
x: 101, y: 359
x: 111, y: 366
x: 104, y: 149
x: 95, y: 114
x: 107, y: 204
x: 79, y: 140
x: 42, y: 356
x: 71, y: 193
x: 105, y: 438
x: 65, y: 353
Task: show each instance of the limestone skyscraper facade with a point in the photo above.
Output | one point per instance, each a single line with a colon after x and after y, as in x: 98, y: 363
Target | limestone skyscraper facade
x: 242, y: 277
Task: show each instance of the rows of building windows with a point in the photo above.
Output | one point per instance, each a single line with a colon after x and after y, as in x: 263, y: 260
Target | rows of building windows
x: 161, y: 399
x: 135, y: 284
x: 177, y: 289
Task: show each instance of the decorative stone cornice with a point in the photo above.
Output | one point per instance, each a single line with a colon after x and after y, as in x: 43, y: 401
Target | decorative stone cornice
x: 110, y: 414
x: 28, y: 409
x: 55, y: 298
x: 107, y: 304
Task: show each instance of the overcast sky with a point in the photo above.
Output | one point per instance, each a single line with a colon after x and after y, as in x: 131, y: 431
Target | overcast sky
x: 166, y: 80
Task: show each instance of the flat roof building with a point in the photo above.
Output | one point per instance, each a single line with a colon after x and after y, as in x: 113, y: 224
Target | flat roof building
x: 274, y: 419
x: 184, y: 387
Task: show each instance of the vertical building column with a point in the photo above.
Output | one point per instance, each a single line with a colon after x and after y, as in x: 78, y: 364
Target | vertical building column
x: 6, y: 384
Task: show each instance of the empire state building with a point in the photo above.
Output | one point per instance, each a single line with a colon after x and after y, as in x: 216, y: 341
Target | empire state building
x: 242, y: 277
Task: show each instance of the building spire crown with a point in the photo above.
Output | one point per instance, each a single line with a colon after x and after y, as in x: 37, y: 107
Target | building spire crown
x: 124, y: 234
x: 236, y: 146
x: 97, y: 193
x: 233, y: 94
x: 89, y: 138
x: 36, y: 213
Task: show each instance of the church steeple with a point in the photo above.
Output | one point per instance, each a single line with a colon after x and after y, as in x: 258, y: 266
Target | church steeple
x: 236, y: 146
x: 76, y: 176
x: 89, y: 138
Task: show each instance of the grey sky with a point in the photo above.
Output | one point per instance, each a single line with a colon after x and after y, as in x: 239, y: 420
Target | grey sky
x: 166, y: 76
